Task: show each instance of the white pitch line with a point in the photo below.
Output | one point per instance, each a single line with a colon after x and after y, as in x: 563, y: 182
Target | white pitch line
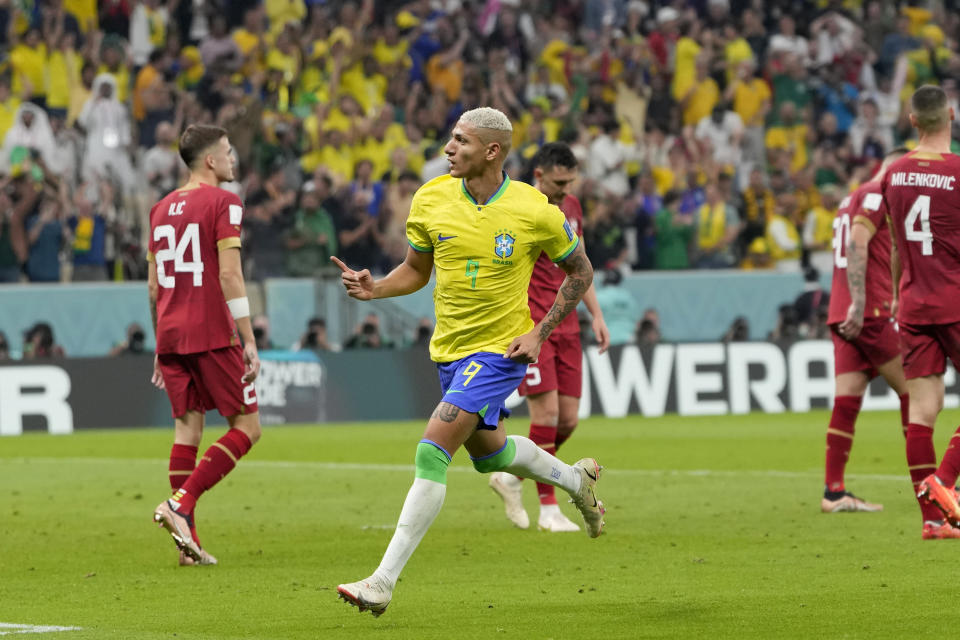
x: 18, y: 629
x: 409, y: 468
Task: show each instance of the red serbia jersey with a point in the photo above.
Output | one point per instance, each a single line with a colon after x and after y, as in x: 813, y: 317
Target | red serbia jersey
x: 188, y: 229
x: 864, y: 205
x: 922, y: 196
x: 547, y: 277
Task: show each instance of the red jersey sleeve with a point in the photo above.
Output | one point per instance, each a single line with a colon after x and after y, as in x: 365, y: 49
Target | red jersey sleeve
x: 151, y: 241
x: 229, y: 217
x: 872, y: 211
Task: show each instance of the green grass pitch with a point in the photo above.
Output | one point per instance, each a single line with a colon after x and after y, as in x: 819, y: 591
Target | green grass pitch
x: 713, y: 530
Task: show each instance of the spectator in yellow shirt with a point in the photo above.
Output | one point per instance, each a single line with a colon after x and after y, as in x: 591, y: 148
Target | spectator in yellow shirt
x: 251, y: 41
x: 791, y: 136
x: 9, y: 104
x: 63, y: 73
x: 390, y: 50
x: 751, y: 100
x: 782, y: 236
x: 366, y: 84
x: 701, y: 97
x: 685, y: 61
x: 718, y: 226
x: 28, y: 62
x: 85, y: 13
x: 280, y: 12
x: 81, y: 92
x: 736, y: 51
x: 818, y: 229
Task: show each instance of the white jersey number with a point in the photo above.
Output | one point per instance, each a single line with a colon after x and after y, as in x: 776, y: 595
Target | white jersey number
x: 177, y: 251
x: 533, y: 377
x: 920, y: 210
x: 841, y: 236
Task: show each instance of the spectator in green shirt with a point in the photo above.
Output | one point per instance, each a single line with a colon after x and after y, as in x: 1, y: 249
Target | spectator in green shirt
x: 675, y: 231
x: 313, y: 238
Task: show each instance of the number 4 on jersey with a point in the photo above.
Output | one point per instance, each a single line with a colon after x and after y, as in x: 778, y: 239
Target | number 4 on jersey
x: 921, y: 210
x: 177, y: 251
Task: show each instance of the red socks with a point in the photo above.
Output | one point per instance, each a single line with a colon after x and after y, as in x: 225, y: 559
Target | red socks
x: 950, y: 465
x: 216, y: 463
x: 840, y: 439
x: 183, y: 460
x: 545, y: 436
x: 922, y: 461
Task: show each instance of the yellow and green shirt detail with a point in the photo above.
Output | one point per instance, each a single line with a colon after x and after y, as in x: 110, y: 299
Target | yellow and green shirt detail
x: 483, y: 255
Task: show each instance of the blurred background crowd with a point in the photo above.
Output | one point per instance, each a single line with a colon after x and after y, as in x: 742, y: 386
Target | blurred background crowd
x: 711, y: 133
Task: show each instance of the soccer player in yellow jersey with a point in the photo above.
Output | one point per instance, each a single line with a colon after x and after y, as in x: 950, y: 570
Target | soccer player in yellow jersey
x: 483, y: 233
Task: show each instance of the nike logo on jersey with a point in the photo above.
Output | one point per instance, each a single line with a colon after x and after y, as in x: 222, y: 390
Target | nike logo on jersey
x: 441, y: 237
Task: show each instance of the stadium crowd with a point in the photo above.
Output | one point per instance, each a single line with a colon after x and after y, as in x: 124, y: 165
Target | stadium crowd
x: 711, y: 133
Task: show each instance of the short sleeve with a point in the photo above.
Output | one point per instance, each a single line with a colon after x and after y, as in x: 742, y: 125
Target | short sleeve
x: 871, y: 211
x: 229, y: 222
x: 554, y: 234
x: 418, y: 236
x: 151, y: 243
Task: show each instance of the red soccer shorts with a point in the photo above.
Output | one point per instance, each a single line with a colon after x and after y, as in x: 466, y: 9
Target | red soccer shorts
x: 926, y: 348
x: 208, y: 380
x: 559, y: 367
x: 877, y: 344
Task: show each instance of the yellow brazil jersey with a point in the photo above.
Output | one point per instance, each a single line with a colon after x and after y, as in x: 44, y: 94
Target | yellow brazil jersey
x: 483, y: 255
x: 30, y: 65
x: 706, y: 93
x: 823, y: 229
x: 685, y: 68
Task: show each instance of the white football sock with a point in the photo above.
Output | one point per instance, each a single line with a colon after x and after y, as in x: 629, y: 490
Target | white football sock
x: 549, y: 510
x: 422, y: 505
x: 533, y: 462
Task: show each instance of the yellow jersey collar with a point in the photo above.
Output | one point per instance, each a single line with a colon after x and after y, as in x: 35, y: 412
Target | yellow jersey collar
x: 496, y: 194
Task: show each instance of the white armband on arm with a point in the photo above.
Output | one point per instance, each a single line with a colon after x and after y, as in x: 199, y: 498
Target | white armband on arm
x: 239, y: 307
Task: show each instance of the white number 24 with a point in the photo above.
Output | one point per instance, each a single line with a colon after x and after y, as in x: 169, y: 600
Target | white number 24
x: 920, y: 210
x: 177, y: 251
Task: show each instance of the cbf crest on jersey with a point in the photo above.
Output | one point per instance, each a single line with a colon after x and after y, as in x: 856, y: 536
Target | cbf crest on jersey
x: 503, y: 244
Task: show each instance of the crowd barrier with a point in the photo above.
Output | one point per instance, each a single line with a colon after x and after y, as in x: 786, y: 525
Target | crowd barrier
x: 694, y: 306
x: 60, y: 396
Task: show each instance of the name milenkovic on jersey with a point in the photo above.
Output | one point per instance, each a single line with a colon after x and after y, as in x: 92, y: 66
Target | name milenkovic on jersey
x: 931, y: 180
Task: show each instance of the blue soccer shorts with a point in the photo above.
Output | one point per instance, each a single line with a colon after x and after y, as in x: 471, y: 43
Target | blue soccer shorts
x: 481, y: 383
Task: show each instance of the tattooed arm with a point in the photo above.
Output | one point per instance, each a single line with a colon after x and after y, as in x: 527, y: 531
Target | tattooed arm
x: 579, y: 272
x: 857, y: 253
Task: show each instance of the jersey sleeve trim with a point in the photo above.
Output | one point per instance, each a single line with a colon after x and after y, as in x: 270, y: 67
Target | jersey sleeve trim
x: 418, y: 248
x: 228, y: 243
x: 569, y: 251
x: 150, y: 257
x: 865, y: 221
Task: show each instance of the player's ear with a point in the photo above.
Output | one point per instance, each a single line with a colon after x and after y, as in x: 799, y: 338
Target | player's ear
x: 913, y: 118
x: 952, y: 115
x: 538, y: 174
